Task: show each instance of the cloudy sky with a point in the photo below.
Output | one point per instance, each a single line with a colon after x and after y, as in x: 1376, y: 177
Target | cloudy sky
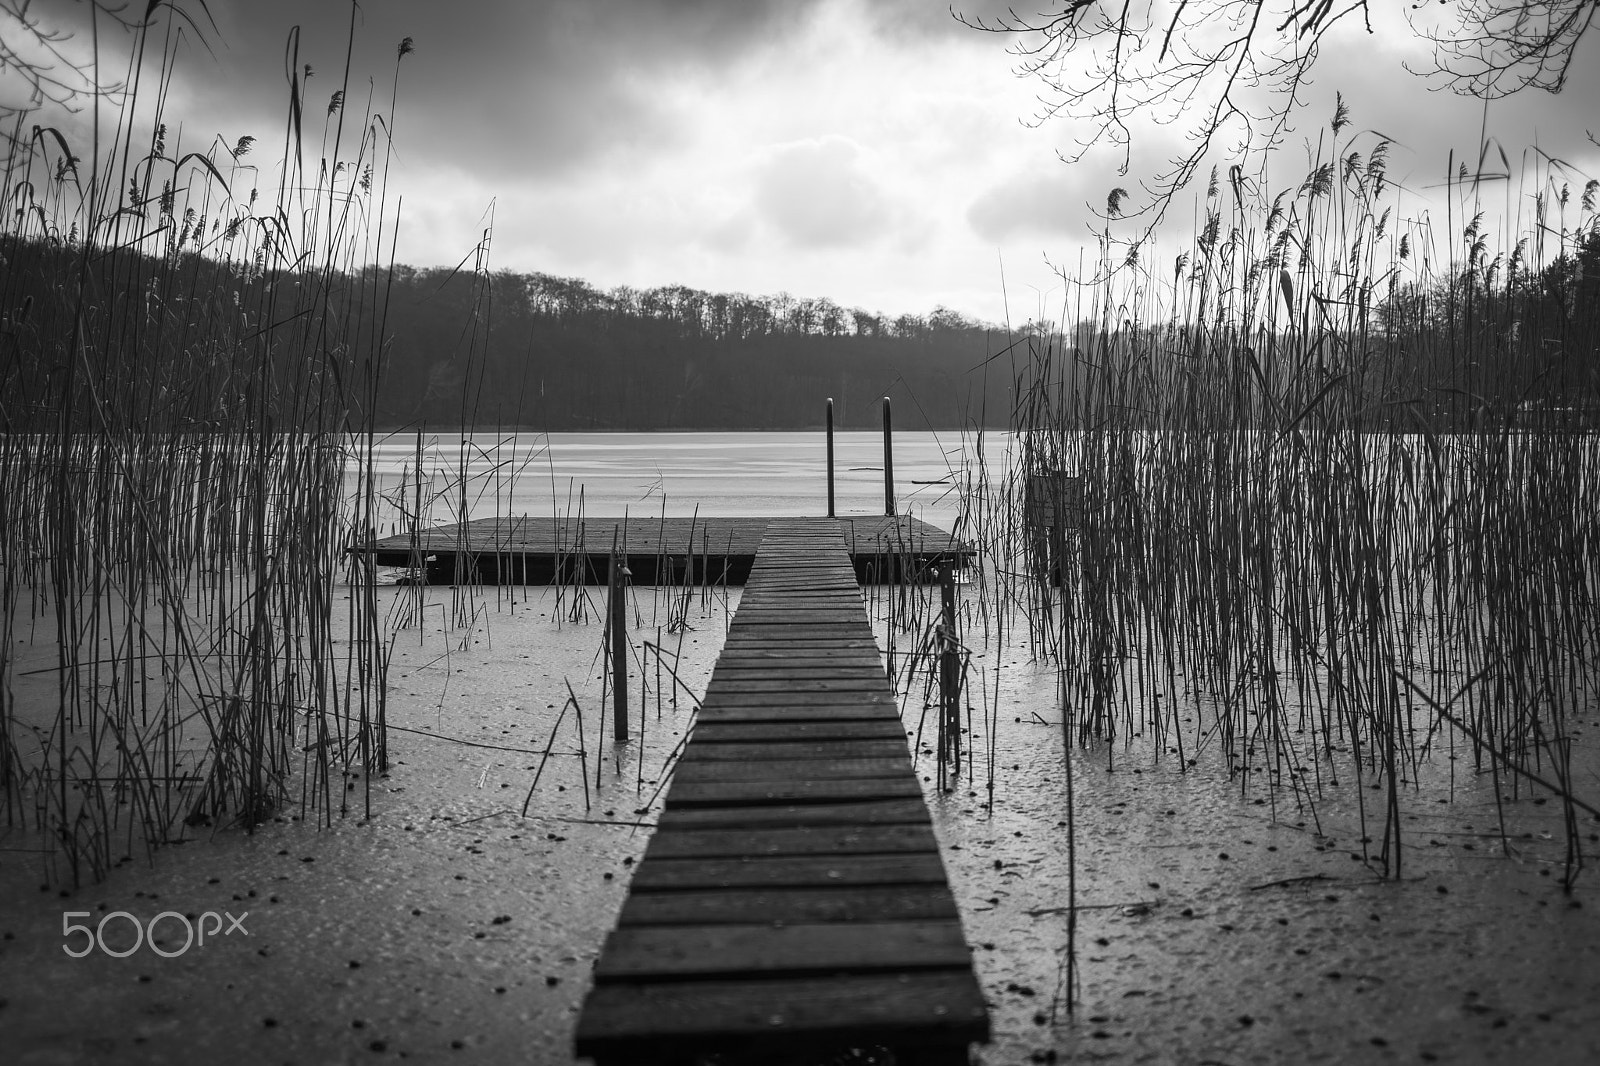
x: 870, y: 151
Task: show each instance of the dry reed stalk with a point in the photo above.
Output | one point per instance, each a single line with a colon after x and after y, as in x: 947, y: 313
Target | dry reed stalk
x: 1311, y: 505
x: 174, y: 437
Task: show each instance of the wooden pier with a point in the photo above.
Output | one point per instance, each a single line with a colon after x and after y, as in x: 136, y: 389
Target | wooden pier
x: 792, y: 903
x: 541, y: 550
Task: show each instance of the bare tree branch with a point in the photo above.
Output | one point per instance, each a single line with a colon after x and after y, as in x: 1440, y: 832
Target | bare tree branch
x: 1108, y: 63
x: 1241, y: 65
x: 1499, y: 47
x: 35, y: 69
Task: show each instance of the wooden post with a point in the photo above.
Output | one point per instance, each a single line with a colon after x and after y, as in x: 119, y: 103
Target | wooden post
x: 619, y: 646
x: 830, y: 456
x: 947, y: 595
x: 888, y: 462
x: 950, y: 667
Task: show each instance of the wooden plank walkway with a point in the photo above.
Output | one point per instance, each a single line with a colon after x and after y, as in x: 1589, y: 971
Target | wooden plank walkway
x: 792, y: 903
x: 536, y: 550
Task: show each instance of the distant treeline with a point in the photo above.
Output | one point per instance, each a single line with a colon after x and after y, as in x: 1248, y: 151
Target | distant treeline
x: 563, y: 355
x: 191, y: 341
x: 446, y: 348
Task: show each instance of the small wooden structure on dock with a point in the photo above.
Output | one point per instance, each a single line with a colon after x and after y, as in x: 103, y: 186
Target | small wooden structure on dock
x: 659, y: 551
x: 792, y: 902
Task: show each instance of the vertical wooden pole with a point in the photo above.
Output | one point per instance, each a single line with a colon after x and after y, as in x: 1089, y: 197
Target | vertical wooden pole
x: 950, y: 666
x: 619, y: 646
x: 947, y: 595
x: 830, y: 456
x: 888, y: 461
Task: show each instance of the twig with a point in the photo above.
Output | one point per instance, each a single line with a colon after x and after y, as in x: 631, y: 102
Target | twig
x: 1304, y: 879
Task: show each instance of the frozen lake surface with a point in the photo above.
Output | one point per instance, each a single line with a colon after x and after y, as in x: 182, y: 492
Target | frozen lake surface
x: 1217, y: 923
x: 773, y: 474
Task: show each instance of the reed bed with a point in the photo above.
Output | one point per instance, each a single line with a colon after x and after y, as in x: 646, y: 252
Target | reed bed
x: 1332, y: 492
x: 189, y: 358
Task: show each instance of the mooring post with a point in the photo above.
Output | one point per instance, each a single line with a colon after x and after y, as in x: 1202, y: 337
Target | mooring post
x: 888, y: 462
x: 830, y: 456
x: 950, y: 666
x: 618, y: 620
x: 947, y: 595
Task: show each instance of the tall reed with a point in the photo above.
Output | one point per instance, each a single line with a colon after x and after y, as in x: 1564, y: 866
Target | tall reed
x: 1340, y: 489
x: 188, y: 368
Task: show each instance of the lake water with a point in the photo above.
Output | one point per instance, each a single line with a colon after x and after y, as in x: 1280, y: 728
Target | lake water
x: 756, y: 474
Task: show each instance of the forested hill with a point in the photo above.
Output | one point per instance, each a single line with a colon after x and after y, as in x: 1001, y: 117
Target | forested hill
x: 186, y: 340
x: 116, y: 340
x: 559, y: 354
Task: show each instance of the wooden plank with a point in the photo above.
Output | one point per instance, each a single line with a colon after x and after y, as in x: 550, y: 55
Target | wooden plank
x: 800, y: 661
x: 772, y: 694
x: 801, y: 639
x: 767, y: 605
x: 778, y: 634
x: 778, y: 733
x: 801, y: 692
x: 766, y: 647
x: 753, y: 651
x: 782, y: 710
x: 786, y: 709
x: 799, y: 619
x: 800, y: 560
x: 696, y: 769
x: 733, y: 663
x: 872, y: 683
x: 833, y: 789
x: 858, y: 812
x: 884, y: 903
x: 912, y: 868
x: 801, y: 612
x: 732, y: 670
x: 664, y: 1019
x: 800, y: 616
x: 800, y: 696
x: 846, y: 662
x: 778, y: 623
x: 768, y: 630
x: 676, y: 952
x: 730, y: 843
x: 798, y: 750
x: 778, y: 630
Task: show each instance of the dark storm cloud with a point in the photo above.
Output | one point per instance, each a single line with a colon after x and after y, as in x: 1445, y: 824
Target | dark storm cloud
x: 512, y: 88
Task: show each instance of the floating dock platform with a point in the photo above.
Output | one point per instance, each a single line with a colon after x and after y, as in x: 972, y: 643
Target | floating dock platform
x: 658, y: 551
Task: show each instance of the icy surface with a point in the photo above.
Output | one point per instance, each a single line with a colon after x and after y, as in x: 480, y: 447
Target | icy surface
x: 1217, y: 923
